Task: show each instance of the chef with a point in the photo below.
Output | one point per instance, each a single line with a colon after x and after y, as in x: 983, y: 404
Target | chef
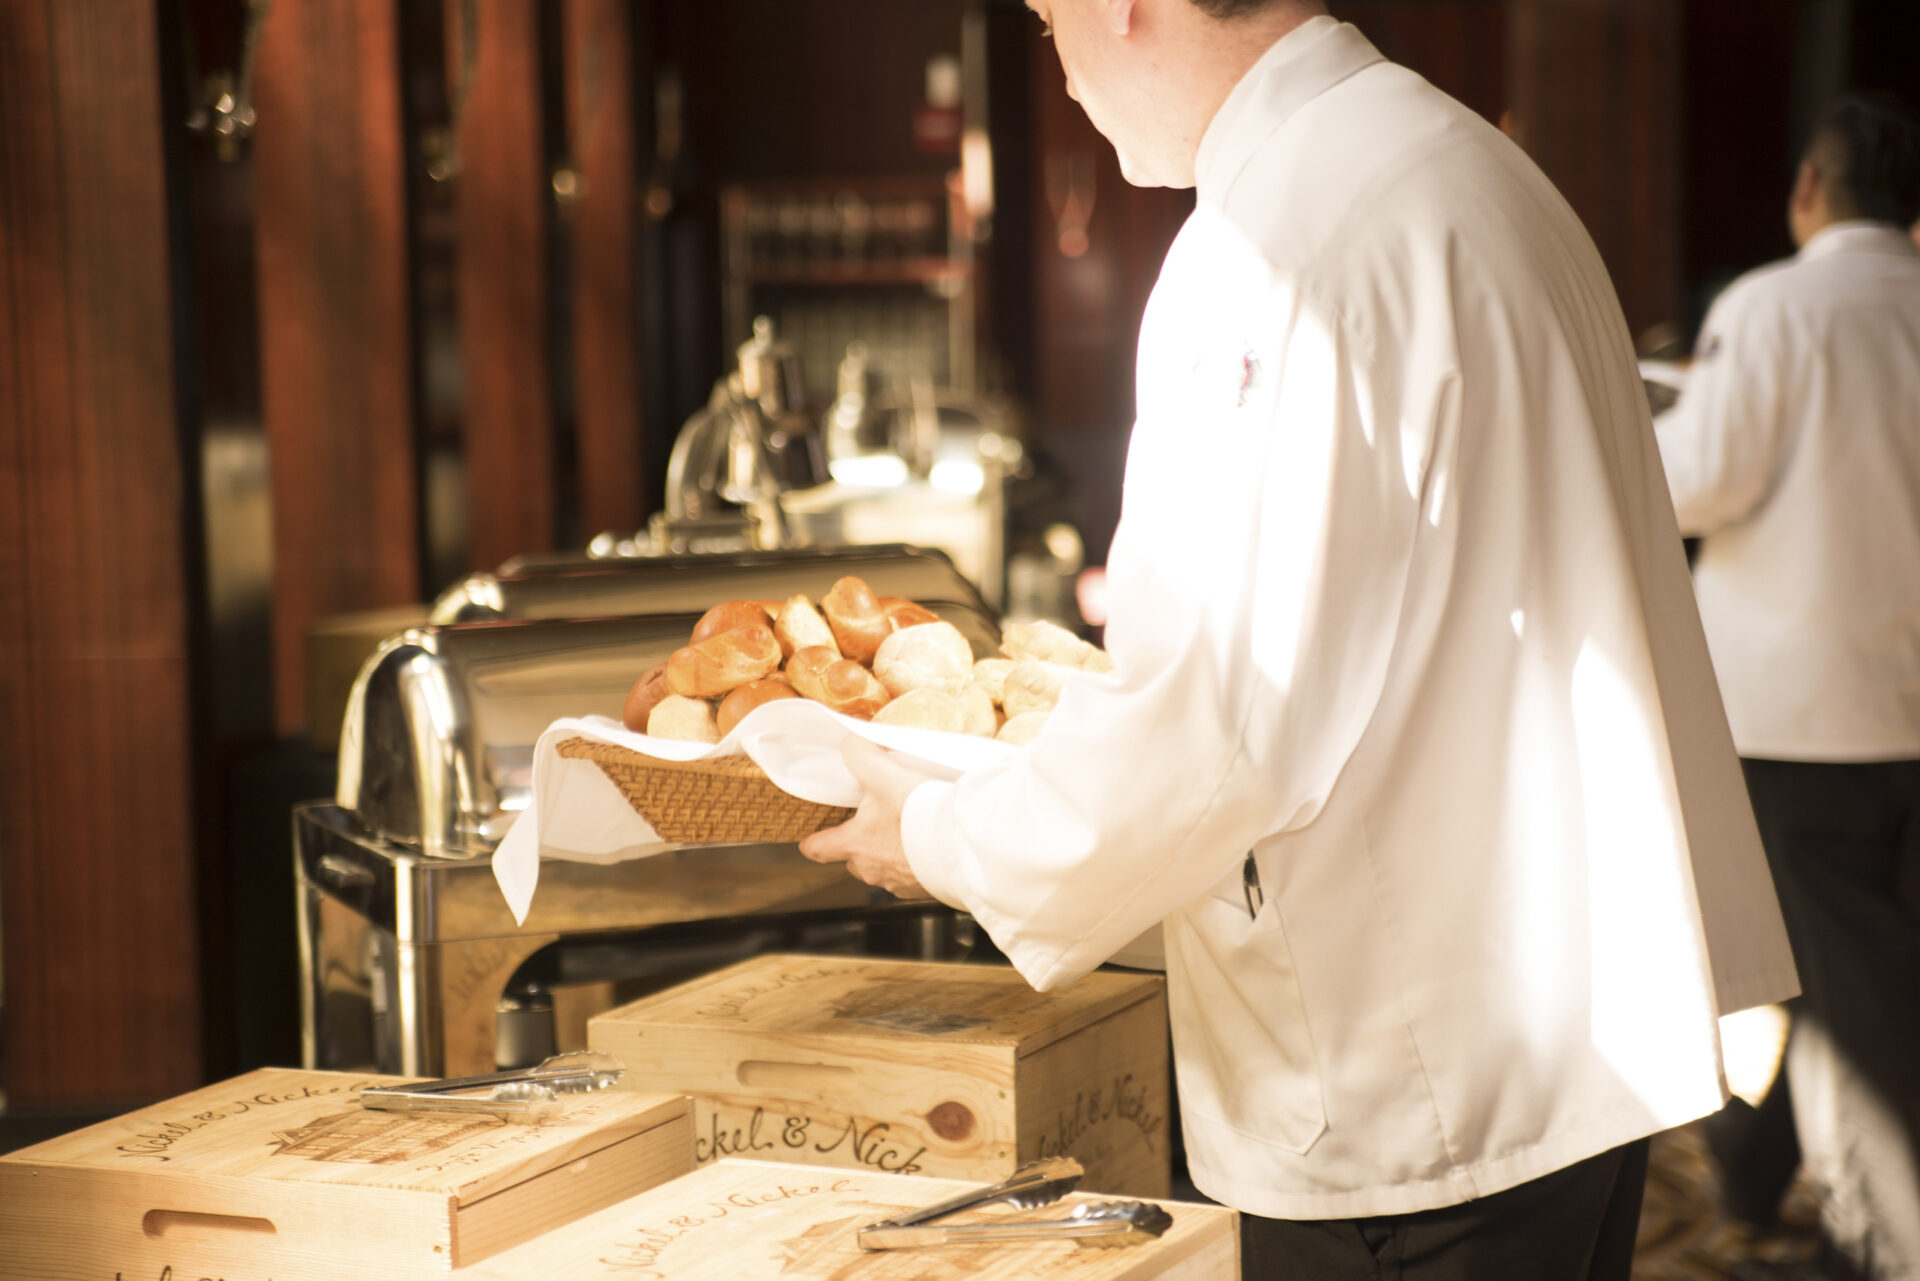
x: 1413, y: 744
x: 1794, y: 453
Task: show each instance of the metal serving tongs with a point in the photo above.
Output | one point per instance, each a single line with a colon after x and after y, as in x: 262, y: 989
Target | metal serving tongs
x: 526, y: 1094
x: 1095, y: 1223
x: 1035, y: 1184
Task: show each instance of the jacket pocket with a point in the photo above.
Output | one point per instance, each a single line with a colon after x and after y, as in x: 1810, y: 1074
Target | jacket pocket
x: 1246, y: 1051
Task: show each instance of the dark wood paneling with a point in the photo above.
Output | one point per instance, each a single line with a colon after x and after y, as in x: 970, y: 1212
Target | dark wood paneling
x: 1738, y: 140
x: 827, y: 87
x: 606, y: 217
x: 96, y: 857
x: 501, y: 197
x: 1596, y: 95
x: 335, y: 349
x: 1459, y: 45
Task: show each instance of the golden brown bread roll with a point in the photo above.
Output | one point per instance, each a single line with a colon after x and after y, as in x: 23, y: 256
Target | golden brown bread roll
x: 725, y: 617
x: 646, y: 692
x: 839, y: 683
x: 926, y: 655
x: 724, y: 662
x: 858, y: 622
x: 676, y: 716
x: 1023, y: 728
x: 1031, y: 687
x: 798, y: 625
x: 924, y: 709
x: 749, y: 696
x: 902, y: 612
x: 1044, y: 642
x: 978, y: 714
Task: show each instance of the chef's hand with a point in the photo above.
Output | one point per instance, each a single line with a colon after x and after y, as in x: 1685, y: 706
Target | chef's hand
x: 869, y: 842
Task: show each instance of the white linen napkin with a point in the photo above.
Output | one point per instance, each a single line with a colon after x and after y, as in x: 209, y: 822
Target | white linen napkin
x: 576, y: 812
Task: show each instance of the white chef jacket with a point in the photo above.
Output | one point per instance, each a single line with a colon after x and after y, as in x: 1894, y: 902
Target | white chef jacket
x: 1795, y: 450
x: 1399, y: 605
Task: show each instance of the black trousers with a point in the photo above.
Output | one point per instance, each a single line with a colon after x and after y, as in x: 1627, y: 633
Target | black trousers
x: 1843, y: 841
x: 1576, y: 1224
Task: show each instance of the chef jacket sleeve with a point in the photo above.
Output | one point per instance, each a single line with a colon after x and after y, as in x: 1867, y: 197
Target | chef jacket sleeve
x: 1255, y: 582
x: 1721, y: 443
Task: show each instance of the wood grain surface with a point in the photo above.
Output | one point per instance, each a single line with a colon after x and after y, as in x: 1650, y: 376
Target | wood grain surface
x: 501, y: 197
x: 96, y: 824
x: 616, y: 493
x: 335, y: 341
x: 282, y: 1173
x: 959, y: 1071
x: 756, y: 1221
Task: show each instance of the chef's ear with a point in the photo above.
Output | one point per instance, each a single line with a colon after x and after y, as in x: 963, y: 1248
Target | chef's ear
x: 1805, y: 183
x: 1119, y: 16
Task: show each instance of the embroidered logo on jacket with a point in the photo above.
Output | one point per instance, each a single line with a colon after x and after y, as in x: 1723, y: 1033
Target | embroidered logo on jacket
x: 1249, y: 376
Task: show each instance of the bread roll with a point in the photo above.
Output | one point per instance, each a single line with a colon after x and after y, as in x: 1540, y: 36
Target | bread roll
x: 749, y: 696
x: 928, y: 655
x: 798, y: 625
x: 726, y: 617
x: 978, y: 714
x: 839, y: 683
x: 646, y: 692
x: 924, y: 709
x: 1022, y: 729
x: 1043, y: 642
x: 1031, y: 687
x: 725, y: 662
x: 858, y: 622
x: 902, y: 612
x: 677, y: 716
x: 991, y: 675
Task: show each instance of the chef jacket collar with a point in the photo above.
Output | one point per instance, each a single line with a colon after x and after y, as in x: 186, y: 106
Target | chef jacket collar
x: 1302, y: 65
x: 1856, y: 235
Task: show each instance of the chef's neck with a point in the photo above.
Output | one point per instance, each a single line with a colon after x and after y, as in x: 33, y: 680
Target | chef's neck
x: 1816, y: 204
x: 1204, y: 57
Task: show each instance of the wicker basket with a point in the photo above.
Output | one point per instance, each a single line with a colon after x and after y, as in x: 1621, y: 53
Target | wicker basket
x: 723, y: 800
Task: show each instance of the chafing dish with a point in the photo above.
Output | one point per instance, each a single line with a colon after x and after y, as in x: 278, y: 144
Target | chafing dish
x: 410, y: 961
x: 582, y: 584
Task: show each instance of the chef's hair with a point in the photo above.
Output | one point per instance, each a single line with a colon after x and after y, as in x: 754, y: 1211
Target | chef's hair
x: 1866, y: 149
x: 1236, y: 8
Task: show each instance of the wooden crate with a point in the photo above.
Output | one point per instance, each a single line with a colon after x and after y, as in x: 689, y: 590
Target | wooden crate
x: 961, y: 1071
x: 282, y: 1174
x: 742, y: 1220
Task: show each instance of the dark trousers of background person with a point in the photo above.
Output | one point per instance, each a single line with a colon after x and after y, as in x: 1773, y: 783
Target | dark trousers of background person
x: 1576, y: 1224
x: 1844, y: 844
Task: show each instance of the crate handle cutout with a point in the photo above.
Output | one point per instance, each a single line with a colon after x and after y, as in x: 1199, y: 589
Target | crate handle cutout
x: 764, y: 1074
x: 193, y: 1224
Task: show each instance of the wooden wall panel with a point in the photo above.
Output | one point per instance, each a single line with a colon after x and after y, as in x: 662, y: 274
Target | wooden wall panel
x: 335, y: 344
x: 614, y: 482
x: 1459, y: 45
x: 1596, y: 99
x: 501, y: 197
x: 1739, y: 140
x: 826, y: 88
x: 96, y: 856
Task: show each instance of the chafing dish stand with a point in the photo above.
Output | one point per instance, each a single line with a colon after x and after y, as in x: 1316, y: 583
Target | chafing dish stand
x: 405, y: 959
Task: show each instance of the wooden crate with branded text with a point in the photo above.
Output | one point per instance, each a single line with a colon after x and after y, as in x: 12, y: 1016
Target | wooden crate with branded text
x: 282, y: 1174
x: 952, y: 1070
x: 739, y: 1220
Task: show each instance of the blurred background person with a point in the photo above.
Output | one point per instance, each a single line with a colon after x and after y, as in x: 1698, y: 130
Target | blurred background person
x: 1794, y: 454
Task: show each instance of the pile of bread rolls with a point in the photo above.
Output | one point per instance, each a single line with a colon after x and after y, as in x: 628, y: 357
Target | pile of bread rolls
x: 883, y: 659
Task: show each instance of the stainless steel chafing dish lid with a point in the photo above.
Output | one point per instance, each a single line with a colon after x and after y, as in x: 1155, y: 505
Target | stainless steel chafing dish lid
x: 436, y: 749
x: 576, y: 586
